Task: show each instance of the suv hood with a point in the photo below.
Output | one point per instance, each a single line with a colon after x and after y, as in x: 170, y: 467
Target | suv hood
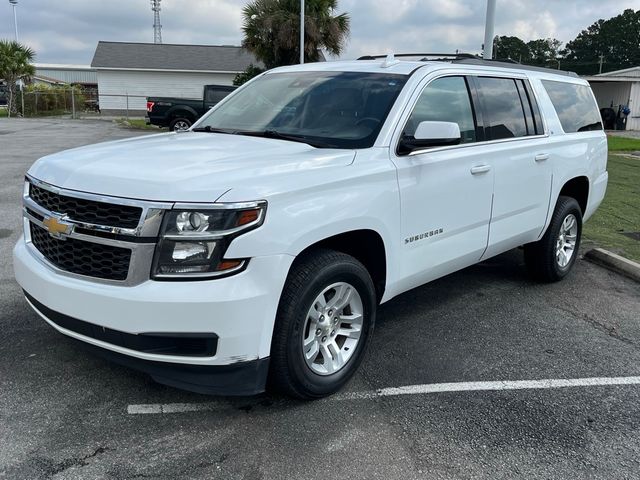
x: 186, y: 167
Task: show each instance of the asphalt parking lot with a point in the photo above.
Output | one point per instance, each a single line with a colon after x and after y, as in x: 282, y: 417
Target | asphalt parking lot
x: 65, y: 414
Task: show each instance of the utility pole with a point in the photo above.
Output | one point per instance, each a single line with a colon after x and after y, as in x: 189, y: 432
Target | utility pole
x: 14, y: 4
x: 601, y: 62
x: 301, y: 31
x: 488, y: 30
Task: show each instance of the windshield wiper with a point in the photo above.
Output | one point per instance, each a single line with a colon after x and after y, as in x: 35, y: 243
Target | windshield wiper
x: 210, y: 129
x: 288, y: 136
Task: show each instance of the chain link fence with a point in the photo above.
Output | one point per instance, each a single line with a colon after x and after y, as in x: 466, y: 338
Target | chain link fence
x: 77, y: 103
x: 122, y: 105
x: 38, y: 101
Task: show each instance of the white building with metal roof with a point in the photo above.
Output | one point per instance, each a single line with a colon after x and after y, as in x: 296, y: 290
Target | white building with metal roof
x: 57, y: 73
x: 129, y: 72
x: 621, y: 87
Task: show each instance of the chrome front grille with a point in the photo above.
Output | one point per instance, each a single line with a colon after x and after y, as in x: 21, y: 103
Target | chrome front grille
x: 83, y: 258
x: 86, y: 211
x: 95, y: 237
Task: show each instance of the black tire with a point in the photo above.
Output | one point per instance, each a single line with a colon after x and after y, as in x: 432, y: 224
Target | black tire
x: 180, y: 121
x: 309, y: 276
x: 540, y: 257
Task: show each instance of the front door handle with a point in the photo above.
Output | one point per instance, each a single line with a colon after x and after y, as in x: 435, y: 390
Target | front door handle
x: 541, y: 157
x: 477, y: 170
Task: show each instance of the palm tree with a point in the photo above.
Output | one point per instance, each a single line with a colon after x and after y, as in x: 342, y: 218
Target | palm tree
x: 15, y: 64
x: 272, y: 30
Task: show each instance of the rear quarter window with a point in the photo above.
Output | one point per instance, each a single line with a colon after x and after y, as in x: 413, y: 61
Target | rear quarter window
x: 215, y: 95
x: 574, y: 105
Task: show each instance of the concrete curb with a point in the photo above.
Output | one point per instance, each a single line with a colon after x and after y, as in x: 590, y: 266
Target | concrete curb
x: 614, y: 262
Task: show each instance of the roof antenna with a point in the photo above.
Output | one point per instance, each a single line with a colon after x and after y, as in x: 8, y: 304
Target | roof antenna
x: 390, y: 61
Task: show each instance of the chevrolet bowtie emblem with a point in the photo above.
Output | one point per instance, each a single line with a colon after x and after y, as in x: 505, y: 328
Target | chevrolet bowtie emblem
x: 56, y: 227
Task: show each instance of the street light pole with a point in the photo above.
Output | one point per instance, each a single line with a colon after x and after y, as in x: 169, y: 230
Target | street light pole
x: 487, y: 54
x: 301, y: 31
x: 14, y: 4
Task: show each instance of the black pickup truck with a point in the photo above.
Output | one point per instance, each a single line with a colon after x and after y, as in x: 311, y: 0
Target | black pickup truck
x: 181, y: 113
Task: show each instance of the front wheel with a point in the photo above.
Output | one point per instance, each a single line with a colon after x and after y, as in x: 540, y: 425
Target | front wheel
x: 325, y: 319
x: 550, y: 259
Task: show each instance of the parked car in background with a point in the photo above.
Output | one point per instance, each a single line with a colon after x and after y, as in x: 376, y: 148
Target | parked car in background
x: 3, y: 94
x: 180, y: 113
x: 261, y: 241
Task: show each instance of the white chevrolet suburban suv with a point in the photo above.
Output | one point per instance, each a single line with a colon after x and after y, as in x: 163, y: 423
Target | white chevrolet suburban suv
x: 254, y: 248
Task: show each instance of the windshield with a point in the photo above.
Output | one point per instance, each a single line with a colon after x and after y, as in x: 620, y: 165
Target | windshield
x: 324, y: 109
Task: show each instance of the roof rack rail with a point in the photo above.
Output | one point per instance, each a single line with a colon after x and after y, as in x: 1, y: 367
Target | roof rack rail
x: 471, y: 59
x: 514, y: 65
x: 425, y: 56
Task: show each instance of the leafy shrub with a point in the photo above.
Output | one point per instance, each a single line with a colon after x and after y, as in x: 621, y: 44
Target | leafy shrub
x: 248, y: 74
x: 52, y: 100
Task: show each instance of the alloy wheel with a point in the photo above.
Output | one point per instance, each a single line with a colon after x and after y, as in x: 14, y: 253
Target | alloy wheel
x: 567, y: 240
x: 332, y: 328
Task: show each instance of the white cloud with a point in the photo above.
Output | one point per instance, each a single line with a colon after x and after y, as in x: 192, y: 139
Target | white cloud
x: 67, y: 31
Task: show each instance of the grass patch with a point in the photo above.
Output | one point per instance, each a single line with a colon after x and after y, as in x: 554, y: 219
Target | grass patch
x: 136, y: 124
x: 620, y: 210
x: 3, y: 112
x: 623, y: 144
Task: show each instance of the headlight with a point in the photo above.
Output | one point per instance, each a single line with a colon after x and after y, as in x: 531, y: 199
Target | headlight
x: 193, y: 240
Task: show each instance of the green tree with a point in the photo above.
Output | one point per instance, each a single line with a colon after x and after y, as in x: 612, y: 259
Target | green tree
x: 272, y: 30
x: 250, y: 72
x: 615, y: 39
x: 544, y: 52
x: 512, y: 48
x: 15, y: 64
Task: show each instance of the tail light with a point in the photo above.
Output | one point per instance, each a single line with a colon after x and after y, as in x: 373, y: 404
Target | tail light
x: 150, y: 106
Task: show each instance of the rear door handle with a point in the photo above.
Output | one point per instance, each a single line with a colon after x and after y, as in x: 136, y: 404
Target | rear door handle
x: 541, y: 157
x: 477, y: 170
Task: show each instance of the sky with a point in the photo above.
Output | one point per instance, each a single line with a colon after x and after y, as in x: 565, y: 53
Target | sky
x: 67, y: 31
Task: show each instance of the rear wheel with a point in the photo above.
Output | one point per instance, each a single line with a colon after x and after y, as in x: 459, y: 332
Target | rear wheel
x: 552, y: 257
x: 325, y: 319
x: 180, y: 124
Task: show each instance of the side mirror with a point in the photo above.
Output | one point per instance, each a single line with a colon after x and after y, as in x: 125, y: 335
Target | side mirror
x: 431, y: 134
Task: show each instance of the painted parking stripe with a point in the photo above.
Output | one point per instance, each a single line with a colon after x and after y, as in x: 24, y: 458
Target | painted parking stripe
x: 157, y: 408
x: 499, y: 385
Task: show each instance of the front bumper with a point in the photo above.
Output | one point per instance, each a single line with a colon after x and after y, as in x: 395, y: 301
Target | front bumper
x: 242, y: 378
x: 239, y: 310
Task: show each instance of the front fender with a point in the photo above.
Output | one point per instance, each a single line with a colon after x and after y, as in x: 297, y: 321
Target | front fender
x: 361, y: 196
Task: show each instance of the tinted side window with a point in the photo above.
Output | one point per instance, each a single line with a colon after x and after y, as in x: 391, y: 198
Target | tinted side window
x: 445, y: 100
x: 526, y: 105
x: 503, y: 112
x: 575, y: 106
x: 537, y: 118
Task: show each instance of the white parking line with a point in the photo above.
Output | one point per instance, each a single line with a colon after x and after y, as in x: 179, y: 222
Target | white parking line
x: 157, y: 408
x: 499, y: 385
x: 154, y: 408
